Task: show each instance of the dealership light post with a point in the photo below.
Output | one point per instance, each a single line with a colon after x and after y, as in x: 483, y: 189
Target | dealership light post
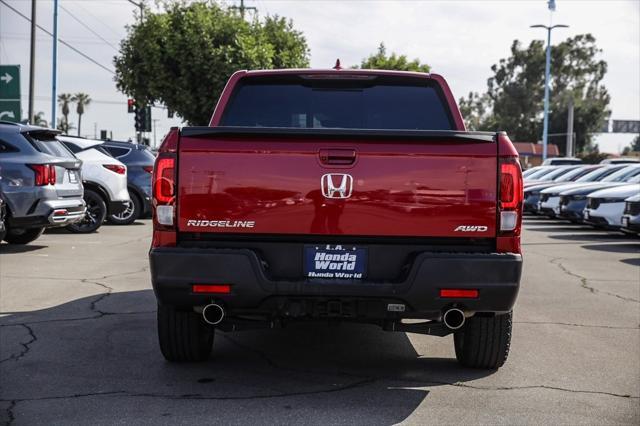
x: 547, y: 72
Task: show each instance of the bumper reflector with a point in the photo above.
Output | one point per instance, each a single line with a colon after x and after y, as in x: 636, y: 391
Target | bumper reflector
x: 455, y: 293
x: 211, y: 288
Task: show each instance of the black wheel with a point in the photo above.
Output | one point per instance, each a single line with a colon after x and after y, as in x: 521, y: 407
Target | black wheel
x: 22, y: 236
x: 183, y: 335
x: 95, y: 215
x: 130, y: 214
x: 484, y: 342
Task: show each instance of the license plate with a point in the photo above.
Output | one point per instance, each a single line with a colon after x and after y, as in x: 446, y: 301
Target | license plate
x: 586, y: 214
x: 625, y: 222
x: 335, y: 262
x: 73, y: 178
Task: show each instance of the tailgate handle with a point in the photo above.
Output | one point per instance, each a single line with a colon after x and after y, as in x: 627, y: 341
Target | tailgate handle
x: 342, y: 157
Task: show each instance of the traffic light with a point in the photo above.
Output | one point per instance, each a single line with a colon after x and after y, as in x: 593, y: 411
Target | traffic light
x: 131, y: 106
x: 139, y: 119
x: 143, y: 118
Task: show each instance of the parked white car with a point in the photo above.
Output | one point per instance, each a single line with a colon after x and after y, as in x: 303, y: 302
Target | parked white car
x: 631, y: 217
x: 104, y: 179
x: 606, y: 206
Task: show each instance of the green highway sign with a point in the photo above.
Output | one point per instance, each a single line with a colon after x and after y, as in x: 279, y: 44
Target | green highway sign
x: 10, y: 109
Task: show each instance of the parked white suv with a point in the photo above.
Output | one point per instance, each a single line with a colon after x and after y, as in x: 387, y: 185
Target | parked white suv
x: 104, y: 179
x: 606, y: 207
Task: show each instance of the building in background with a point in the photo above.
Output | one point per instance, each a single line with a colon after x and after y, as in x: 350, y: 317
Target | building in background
x: 531, y: 153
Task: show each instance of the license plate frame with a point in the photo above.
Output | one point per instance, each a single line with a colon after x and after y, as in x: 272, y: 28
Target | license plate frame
x: 335, y: 262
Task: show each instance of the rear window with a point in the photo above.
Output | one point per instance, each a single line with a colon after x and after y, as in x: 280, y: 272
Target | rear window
x: 117, y: 151
x: 380, y: 103
x: 50, y: 146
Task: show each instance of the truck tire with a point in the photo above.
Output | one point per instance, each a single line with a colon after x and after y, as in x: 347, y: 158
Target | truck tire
x: 183, y: 335
x: 23, y: 236
x: 484, y: 341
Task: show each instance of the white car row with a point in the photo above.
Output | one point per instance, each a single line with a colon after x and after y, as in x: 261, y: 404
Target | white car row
x: 602, y: 195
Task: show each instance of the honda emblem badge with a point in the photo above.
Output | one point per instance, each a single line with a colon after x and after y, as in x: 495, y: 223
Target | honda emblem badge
x: 336, y: 185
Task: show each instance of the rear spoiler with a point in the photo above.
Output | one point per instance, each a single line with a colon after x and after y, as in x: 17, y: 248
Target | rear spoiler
x: 283, y: 132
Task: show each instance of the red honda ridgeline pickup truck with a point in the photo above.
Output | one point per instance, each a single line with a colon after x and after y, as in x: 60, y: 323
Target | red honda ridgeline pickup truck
x: 337, y: 195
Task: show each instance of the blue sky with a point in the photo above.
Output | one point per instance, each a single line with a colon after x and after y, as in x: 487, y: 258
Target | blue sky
x: 460, y: 39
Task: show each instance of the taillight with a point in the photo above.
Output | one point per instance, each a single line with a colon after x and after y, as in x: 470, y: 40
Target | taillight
x: 511, y: 194
x: 163, y: 183
x: 116, y: 168
x: 45, y: 174
x: 148, y: 169
x: 164, y: 190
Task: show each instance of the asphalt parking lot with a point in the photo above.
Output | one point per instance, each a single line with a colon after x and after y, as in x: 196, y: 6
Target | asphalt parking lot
x: 78, y: 346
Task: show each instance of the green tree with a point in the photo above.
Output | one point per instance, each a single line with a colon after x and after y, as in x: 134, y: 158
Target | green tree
x: 381, y: 61
x: 634, y: 146
x: 515, y: 93
x: 183, y: 56
x: 64, y: 99
x: 82, y: 100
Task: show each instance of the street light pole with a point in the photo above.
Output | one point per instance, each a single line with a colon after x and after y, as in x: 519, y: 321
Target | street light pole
x: 54, y: 70
x: 547, y: 76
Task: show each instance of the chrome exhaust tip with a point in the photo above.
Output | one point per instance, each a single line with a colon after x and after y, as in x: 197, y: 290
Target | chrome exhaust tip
x: 213, y: 314
x: 453, y: 318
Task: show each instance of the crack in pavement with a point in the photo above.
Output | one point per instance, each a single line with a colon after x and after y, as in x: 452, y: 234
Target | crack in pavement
x: 9, y: 410
x: 104, y: 277
x: 335, y: 388
x: 100, y: 297
x: 584, y: 281
x: 615, y: 327
x: 26, y: 347
x: 104, y: 314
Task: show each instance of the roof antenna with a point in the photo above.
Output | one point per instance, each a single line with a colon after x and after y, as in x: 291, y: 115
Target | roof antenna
x: 337, y: 66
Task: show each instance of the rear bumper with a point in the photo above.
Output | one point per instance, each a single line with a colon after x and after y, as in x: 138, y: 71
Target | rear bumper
x: 495, y: 276
x: 51, y: 213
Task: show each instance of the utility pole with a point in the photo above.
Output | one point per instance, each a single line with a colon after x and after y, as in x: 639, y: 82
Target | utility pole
x: 140, y: 5
x: 242, y: 8
x: 32, y: 61
x: 54, y: 70
x: 570, y: 128
x: 547, y: 76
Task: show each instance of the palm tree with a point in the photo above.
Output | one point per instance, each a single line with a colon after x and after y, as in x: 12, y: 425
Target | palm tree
x: 38, y: 119
x: 82, y: 100
x: 64, y: 126
x: 64, y: 99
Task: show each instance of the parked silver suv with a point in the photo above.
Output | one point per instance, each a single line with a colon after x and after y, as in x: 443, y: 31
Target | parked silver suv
x: 40, y: 182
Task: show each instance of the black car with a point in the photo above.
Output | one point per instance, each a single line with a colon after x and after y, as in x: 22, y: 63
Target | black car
x: 139, y: 161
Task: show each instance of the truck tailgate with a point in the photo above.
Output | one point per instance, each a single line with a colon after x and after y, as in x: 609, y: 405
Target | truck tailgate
x: 417, y: 184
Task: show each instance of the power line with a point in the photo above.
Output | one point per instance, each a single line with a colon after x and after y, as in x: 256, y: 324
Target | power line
x: 100, y: 21
x: 88, y: 27
x: 60, y: 40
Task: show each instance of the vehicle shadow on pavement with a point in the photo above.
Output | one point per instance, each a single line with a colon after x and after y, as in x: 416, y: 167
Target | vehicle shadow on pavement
x: 603, y: 237
x: 614, y: 248
x: 19, y: 248
x: 100, y: 354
